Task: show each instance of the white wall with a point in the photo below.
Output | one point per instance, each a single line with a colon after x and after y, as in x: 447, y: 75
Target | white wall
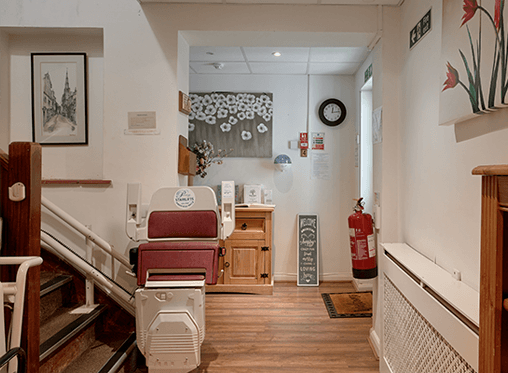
x: 75, y: 162
x: 293, y: 191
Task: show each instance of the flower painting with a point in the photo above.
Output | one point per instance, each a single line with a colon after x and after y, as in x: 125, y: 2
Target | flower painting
x: 474, y: 59
x: 238, y: 121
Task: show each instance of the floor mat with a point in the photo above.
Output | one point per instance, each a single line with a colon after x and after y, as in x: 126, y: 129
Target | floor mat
x: 348, y: 304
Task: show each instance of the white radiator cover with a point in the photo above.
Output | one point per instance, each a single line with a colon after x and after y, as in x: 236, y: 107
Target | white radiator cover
x: 420, y: 333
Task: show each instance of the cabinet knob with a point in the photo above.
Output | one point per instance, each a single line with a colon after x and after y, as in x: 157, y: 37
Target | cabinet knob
x: 226, y: 264
x: 244, y: 226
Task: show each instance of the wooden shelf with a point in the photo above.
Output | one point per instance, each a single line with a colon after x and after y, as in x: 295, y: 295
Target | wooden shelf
x: 70, y: 182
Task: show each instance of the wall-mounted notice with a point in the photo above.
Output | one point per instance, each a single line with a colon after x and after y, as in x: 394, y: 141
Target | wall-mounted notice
x: 421, y: 29
x: 318, y: 141
x: 320, y: 166
x: 142, y: 123
x: 308, y: 245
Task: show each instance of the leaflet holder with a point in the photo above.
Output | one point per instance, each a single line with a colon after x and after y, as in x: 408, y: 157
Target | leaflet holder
x: 182, y: 227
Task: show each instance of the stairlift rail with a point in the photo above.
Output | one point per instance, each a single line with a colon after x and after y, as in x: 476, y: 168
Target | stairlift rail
x: 85, y: 231
x: 107, y: 285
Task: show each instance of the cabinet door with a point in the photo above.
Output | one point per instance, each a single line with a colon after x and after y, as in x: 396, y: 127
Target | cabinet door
x: 243, y: 263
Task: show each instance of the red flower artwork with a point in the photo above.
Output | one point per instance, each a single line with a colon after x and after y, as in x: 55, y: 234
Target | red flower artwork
x: 497, y: 13
x: 470, y: 7
x: 452, y: 77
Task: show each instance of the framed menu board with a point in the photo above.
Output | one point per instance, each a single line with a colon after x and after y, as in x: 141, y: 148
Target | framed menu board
x: 308, y: 245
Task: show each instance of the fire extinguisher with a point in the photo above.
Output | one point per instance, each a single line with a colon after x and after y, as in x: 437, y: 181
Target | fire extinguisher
x: 363, y: 248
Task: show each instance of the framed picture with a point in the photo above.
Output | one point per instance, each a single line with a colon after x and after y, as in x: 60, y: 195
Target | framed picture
x: 59, y: 98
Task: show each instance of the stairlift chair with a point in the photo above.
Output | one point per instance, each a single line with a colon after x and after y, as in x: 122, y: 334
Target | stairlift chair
x: 182, y: 228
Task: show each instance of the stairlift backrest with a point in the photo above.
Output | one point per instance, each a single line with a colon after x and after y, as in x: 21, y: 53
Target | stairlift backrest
x: 183, y: 230
x: 180, y: 214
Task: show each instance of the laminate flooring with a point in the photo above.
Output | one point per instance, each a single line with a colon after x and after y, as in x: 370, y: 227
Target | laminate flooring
x: 289, y: 331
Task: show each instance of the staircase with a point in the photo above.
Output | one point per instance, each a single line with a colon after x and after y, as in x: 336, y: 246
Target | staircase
x: 101, y: 341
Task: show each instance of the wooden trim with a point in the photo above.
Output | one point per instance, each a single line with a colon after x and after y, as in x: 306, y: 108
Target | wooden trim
x: 4, y: 160
x: 491, y: 170
x: 187, y: 160
x: 266, y: 289
x: 76, y: 182
x: 505, y: 304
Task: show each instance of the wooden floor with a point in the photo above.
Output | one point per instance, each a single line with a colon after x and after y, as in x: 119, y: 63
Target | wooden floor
x: 289, y: 331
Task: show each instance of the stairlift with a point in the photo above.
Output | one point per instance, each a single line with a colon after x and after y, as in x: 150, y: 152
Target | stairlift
x: 182, y: 229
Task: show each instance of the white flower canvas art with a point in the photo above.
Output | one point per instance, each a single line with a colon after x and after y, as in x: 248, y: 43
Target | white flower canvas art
x: 239, y: 121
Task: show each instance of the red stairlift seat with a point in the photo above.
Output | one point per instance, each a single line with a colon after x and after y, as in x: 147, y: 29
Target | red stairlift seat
x: 180, y: 258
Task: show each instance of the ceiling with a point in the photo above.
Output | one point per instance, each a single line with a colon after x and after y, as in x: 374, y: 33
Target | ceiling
x: 292, y: 61
x: 293, y: 2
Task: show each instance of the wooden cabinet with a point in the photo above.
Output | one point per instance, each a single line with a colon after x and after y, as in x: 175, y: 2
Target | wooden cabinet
x: 247, y: 265
x: 494, y: 270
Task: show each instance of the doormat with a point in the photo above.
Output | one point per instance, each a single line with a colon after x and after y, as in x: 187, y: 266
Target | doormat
x: 348, y: 304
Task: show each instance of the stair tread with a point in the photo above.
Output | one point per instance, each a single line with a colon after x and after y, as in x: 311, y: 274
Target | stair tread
x: 63, y: 326
x: 52, y: 281
x: 93, y: 359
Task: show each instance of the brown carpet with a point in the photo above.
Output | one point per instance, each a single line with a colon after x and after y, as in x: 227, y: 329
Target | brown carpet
x: 348, y: 304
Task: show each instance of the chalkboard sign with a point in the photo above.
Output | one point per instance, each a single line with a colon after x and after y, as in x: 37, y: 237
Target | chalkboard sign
x: 308, y: 244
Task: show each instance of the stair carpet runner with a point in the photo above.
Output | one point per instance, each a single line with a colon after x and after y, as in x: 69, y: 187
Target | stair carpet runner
x: 101, y: 341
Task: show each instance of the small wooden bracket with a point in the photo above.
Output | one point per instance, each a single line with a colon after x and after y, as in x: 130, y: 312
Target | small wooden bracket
x: 184, y: 103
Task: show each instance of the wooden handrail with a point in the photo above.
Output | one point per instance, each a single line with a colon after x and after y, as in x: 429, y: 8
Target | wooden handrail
x: 4, y: 159
x: 492, y: 170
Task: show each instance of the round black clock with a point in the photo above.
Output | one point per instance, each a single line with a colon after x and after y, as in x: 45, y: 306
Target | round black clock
x: 332, y: 112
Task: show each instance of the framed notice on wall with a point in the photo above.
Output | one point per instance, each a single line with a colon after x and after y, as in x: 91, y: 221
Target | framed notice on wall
x: 308, y: 246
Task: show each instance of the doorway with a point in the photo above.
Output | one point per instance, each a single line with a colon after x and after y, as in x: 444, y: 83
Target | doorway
x: 366, y: 177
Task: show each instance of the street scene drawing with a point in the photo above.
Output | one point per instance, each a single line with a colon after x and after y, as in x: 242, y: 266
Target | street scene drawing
x: 58, y: 110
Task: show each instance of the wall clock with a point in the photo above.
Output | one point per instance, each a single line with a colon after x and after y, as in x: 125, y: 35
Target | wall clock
x: 332, y: 112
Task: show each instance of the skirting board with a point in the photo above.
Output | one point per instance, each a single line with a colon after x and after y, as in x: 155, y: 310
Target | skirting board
x: 375, y: 343
x: 339, y: 276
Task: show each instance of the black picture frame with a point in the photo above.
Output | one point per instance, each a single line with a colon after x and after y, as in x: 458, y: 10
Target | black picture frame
x: 59, y: 98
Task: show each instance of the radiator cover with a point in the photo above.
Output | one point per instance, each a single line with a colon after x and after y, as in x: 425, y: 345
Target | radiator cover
x: 411, y: 343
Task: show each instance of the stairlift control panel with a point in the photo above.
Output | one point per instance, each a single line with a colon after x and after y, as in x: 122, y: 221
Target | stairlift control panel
x: 180, y: 230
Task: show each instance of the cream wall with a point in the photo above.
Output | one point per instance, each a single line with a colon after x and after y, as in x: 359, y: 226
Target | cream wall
x: 4, y: 92
x: 440, y: 199
x: 294, y: 191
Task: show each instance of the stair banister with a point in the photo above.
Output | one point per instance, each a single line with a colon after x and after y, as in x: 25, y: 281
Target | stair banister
x: 85, y: 231
x: 108, y: 286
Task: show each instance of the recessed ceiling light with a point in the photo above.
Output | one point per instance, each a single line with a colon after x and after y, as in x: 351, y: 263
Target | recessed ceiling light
x: 277, y: 54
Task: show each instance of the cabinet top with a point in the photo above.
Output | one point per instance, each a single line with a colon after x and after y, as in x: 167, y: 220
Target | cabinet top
x: 491, y: 170
x: 257, y: 208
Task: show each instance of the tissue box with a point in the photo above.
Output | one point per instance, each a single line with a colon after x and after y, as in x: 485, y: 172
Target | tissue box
x: 252, y: 193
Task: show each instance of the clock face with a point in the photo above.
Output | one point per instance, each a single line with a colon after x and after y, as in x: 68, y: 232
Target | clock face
x: 332, y: 112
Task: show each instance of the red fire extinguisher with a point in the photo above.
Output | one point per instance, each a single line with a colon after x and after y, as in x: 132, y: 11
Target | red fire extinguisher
x: 363, y: 248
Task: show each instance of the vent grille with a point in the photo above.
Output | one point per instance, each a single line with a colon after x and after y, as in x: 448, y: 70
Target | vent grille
x: 174, y: 343
x: 411, y: 343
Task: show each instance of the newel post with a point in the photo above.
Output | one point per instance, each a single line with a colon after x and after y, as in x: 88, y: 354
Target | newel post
x: 23, y: 226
